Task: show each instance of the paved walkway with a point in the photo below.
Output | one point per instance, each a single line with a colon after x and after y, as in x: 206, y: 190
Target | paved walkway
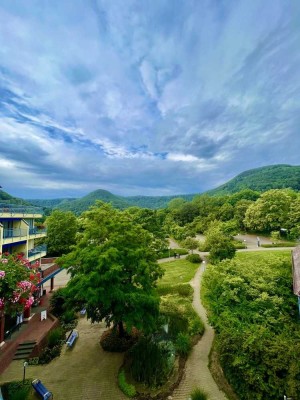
x: 85, y: 372
x: 197, y: 373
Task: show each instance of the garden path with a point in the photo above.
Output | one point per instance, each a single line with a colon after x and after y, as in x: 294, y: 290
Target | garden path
x: 197, y: 373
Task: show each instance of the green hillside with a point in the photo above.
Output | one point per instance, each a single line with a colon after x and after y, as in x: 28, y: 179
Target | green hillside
x: 49, y: 203
x: 262, y: 179
x: 83, y: 203
x: 7, y: 198
x: 259, y: 179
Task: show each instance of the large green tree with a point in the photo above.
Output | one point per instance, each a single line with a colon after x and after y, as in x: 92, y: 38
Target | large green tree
x: 220, y: 245
x: 270, y: 212
x: 114, y: 270
x: 61, y: 232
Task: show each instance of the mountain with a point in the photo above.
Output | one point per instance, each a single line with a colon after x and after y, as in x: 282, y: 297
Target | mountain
x: 7, y: 198
x: 258, y: 179
x: 262, y: 179
x: 49, y: 203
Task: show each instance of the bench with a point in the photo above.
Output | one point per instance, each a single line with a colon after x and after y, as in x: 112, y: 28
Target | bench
x: 72, y: 337
x: 41, y: 390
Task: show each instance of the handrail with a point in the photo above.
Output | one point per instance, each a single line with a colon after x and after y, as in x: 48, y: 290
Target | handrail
x: 36, y: 230
x: 14, y: 232
x: 39, y: 249
x: 16, y: 209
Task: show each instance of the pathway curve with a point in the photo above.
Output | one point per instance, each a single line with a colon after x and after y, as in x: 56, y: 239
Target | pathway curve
x: 197, y: 373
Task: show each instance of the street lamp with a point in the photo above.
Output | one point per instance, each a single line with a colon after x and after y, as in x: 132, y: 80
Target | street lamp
x: 25, y: 364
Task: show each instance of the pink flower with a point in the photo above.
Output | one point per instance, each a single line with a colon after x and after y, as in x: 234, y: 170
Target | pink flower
x: 1, y: 303
x: 4, y: 260
x: 29, y: 302
x: 2, y: 274
x: 24, y: 285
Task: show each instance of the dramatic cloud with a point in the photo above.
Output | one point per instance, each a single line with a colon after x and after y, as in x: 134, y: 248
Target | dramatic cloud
x: 135, y: 97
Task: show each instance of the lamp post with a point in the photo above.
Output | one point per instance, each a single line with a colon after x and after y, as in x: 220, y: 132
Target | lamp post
x: 25, y: 364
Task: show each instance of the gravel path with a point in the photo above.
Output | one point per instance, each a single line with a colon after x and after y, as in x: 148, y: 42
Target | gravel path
x: 197, y: 373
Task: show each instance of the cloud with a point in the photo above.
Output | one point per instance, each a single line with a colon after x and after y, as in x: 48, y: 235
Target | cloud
x: 145, y: 99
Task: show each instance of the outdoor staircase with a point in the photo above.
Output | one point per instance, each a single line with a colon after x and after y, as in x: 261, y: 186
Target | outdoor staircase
x: 24, y: 350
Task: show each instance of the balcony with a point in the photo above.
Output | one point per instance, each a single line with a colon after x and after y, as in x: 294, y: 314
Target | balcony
x: 37, y: 232
x: 14, y: 235
x: 19, y: 211
x: 37, y: 252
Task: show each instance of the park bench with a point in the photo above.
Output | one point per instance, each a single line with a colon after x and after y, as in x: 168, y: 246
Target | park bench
x: 41, y: 390
x: 72, y: 337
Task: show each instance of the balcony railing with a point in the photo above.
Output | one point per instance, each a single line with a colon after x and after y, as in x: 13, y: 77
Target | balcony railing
x: 19, y: 209
x: 14, y: 232
x: 39, y: 249
x: 36, y: 231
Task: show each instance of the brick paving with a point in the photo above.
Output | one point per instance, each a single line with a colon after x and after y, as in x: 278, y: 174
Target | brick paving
x: 34, y: 330
x: 197, y: 373
x: 84, y: 372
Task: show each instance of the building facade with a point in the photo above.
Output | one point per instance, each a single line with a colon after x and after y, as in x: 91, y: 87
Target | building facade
x: 18, y: 235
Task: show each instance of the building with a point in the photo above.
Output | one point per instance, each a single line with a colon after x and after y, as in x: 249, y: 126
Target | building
x: 18, y: 232
x: 18, y: 235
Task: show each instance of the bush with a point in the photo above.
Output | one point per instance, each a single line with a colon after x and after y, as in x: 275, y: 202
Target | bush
x: 151, y: 361
x: 194, y: 258
x: 68, y: 317
x: 57, y: 302
x: 15, y: 390
x: 183, y: 344
x: 181, y: 316
x: 110, y: 341
x: 127, y: 388
x: 170, y: 253
x: 280, y: 244
x: 49, y: 354
x: 181, y: 289
x: 55, y: 337
x: 198, y: 394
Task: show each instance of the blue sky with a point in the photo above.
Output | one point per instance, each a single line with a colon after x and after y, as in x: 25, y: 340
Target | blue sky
x: 151, y: 97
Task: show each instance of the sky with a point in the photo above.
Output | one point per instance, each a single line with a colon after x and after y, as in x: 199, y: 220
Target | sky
x: 145, y: 97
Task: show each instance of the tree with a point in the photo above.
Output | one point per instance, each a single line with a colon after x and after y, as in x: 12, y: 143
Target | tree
x: 220, y: 246
x: 61, y: 232
x: 191, y: 244
x: 114, y: 270
x: 17, y: 284
x: 270, y: 211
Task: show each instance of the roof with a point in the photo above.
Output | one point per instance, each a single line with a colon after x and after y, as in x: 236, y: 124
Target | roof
x: 296, y: 270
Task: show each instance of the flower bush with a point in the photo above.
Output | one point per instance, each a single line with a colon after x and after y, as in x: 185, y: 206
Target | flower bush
x: 18, y: 281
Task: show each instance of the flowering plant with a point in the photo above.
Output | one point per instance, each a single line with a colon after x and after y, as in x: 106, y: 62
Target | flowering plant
x: 17, y: 283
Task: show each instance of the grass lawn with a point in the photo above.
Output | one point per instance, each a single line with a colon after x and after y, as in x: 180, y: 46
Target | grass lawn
x: 262, y: 255
x: 179, y: 271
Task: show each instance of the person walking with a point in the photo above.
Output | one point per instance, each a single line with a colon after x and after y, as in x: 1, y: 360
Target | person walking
x: 258, y: 241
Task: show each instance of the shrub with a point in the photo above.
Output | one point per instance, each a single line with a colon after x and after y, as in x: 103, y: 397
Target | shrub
x: 127, y: 388
x: 68, y: 317
x: 49, y: 354
x: 194, y: 258
x: 57, y: 302
x: 110, y: 341
x: 151, y: 361
x: 181, y: 289
x: 183, y: 344
x: 198, y: 394
x: 279, y: 244
x: 55, y: 337
x: 16, y: 390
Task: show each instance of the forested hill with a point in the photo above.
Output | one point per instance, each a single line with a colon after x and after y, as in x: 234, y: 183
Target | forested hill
x: 7, y: 198
x: 82, y: 204
x: 262, y: 179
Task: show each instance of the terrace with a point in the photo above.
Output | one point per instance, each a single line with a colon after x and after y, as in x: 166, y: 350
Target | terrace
x: 19, y: 211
